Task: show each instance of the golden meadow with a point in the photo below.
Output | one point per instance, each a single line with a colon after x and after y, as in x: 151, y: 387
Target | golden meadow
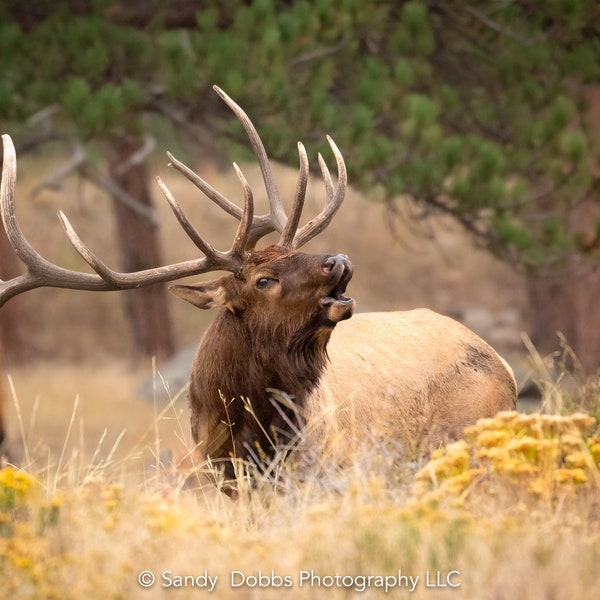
x: 511, y: 511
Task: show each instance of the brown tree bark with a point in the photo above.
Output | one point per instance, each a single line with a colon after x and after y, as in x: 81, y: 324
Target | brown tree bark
x: 3, y: 439
x: 137, y: 13
x: 13, y: 324
x: 13, y: 329
x: 569, y: 301
x: 147, y: 308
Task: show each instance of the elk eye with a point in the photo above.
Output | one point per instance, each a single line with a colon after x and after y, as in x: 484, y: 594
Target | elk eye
x: 263, y: 283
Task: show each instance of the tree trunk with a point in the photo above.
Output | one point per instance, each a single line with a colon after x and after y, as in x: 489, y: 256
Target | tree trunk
x: 2, y: 409
x: 13, y: 330
x: 13, y: 324
x: 147, y: 308
x: 568, y: 303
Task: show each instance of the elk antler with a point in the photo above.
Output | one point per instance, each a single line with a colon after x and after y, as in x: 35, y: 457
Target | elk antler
x: 275, y: 219
x: 42, y: 273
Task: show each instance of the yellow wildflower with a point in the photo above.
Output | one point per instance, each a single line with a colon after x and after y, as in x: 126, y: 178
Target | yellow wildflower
x: 539, y: 486
x: 577, y: 476
x: 491, y: 438
x: 594, y: 446
x: 532, y: 454
x: 582, y: 421
x: 577, y: 459
x: 15, y: 486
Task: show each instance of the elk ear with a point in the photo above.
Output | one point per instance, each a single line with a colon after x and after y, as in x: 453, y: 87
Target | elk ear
x: 211, y: 294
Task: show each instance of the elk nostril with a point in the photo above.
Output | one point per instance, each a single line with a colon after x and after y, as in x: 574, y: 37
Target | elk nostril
x: 329, y: 264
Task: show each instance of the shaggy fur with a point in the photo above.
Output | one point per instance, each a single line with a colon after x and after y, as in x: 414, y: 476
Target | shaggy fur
x: 271, y: 333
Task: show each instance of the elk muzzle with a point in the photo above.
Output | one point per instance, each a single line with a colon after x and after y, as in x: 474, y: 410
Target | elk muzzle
x: 337, y: 306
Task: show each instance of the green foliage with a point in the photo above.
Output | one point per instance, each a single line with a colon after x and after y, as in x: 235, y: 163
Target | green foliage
x: 473, y: 109
x: 91, y: 68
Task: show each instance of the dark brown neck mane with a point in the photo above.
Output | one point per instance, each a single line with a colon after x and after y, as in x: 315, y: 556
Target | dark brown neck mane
x: 242, y: 370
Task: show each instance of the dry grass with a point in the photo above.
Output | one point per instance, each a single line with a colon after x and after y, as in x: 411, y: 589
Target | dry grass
x: 512, y: 512
x: 104, y: 410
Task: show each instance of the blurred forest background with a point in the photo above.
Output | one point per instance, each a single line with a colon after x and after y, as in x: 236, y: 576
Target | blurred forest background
x: 471, y: 133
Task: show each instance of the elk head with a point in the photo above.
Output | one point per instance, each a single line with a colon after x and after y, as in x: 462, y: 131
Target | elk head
x: 279, y: 290
x: 42, y: 273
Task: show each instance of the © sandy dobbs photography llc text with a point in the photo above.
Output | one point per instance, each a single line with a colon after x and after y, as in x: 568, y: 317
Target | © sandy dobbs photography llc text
x: 302, y: 579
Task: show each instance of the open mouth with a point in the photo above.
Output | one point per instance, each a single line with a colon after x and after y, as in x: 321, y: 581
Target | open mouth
x: 336, y: 295
x: 336, y: 306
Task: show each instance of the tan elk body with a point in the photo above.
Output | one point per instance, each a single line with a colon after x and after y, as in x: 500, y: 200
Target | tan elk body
x: 415, y: 377
x: 285, y: 325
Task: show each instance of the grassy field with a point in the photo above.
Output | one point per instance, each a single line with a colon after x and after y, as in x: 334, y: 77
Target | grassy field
x: 511, y: 512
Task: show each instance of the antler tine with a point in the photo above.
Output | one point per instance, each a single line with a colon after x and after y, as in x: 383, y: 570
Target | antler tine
x: 334, y: 198
x: 276, y: 217
x: 190, y: 230
x: 114, y: 280
x: 105, y: 273
x: 209, y: 191
x: 40, y: 271
x: 23, y: 249
x: 243, y: 230
x: 287, y: 237
x: 260, y: 225
x: 246, y: 216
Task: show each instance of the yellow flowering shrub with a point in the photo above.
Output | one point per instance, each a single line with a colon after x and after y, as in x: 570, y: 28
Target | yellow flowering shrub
x: 25, y: 560
x: 15, y: 487
x: 541, y: 455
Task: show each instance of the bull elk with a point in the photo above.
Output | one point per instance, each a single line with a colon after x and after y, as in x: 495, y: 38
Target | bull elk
x: 283, y: 323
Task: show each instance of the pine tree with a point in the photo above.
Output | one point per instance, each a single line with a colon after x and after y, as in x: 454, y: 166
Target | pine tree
x: 486, y: 111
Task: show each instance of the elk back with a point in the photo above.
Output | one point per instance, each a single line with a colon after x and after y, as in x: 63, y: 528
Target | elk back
x: 413, y: 377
